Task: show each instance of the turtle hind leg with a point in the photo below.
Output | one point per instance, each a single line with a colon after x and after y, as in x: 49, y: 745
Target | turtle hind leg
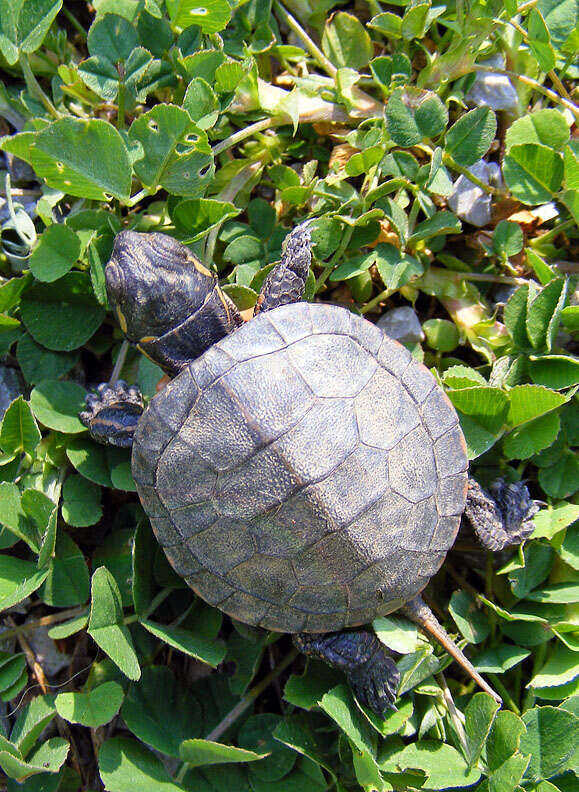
x: 286, y: 282
x: 418, y: 611
x: 371, y: 673
x: 502, y: 516
x: 112, y: 413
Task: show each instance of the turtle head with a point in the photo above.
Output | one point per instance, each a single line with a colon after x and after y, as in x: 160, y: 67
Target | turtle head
x: 166, y: 301
x: 154, y: 283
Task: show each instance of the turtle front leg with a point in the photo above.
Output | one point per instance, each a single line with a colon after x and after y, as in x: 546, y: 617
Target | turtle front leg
x: 286, y: 282
x: 501, y: 517
x: 112, y: 413
x: 371, y: 673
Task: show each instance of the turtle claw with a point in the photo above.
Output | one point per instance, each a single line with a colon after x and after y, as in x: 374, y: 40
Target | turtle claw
x: 371, y: 673
x: 112, y: 413
x: 503, y: 516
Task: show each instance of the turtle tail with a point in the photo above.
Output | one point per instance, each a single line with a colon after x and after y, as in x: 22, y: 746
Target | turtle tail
x: 418, y: 611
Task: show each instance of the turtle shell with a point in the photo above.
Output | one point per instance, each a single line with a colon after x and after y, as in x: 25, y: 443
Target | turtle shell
x: 305, y: 473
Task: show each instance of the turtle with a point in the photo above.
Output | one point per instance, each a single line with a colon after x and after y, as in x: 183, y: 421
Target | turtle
x: 301, y: 470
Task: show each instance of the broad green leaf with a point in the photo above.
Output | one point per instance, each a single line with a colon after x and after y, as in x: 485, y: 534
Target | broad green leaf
x: 107, y: 466
x: 551, y: 738
x: 48, y: 758
x: 507, y: 777
x: 402, y: 126
x: 394, y: 267
x: 538, y: 560
x: 86, y: 158
x: 543, y: 313
x: 561, y: 667
x: 470, y: 137
x: 112, y: 37
x: 32, y: 719
x: 101, y: 76
x: 437, y: 225
x: 515, y: 315
x: 390, y: 25
x: 210, y: 15
x: 479, y: 715
x: 106, y: 624
x: 562, y: 479
x: 201, y: 103
x: 507, y: 239
x: 354, y: 266
x: 198, y: 752
x: 67, y: 583
x: 339, y: 704
x: 532, y: 437
x: 306, y: 690
x: 56, y: 404
x: 557, y: 593
x: 242, y: 296
x: 125, y: 766
x: 160, y: 713
x: 197, y: 216
x: 297, y: 733
x: 415, y: 668
x: 485, y: 405
x: 346, y: 42
x: 14, y: 517
x: 396, y: 633
x: 533, y: 173
x: 527, y: 402
x: 68, y: 628
x: 547, y: 127
x: 571, y: 167
x: 24, y: 24
x: 550, y: 521
x: 441, y: 334
x: 19, y: 431
x: 208, y: 651
x: 94, y: 708
x: 174, y: 152
x: 443, y: 765
x: 414, y: 21
x: 471, y: 621
x: 38, y: 363
x: 11, y: 668
x: 57, y: 250
x: 47, y: 548
x: 504, y: 738
x: 81, y: 502
x: 555, y: 371
x: 62, y: 315
x: 18, y: 580
x: 540, y: 41
x: 500, y: 659
x: 257, y: 734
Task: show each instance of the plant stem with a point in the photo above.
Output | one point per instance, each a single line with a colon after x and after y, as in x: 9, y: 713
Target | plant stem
x: 448, y: 160
x: 554, y: 97
x: 554, y: 232
x: 121, y: 102
x: 241, y: 706
x: 74, y: 22
x: 369, y: 306
x: 120, y: 362
x: 504, y: 693
x: 31, y: 626
x: 315, y: 51
x: 242, y: 134
x: 452, y: 711
x: 34, y: 87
